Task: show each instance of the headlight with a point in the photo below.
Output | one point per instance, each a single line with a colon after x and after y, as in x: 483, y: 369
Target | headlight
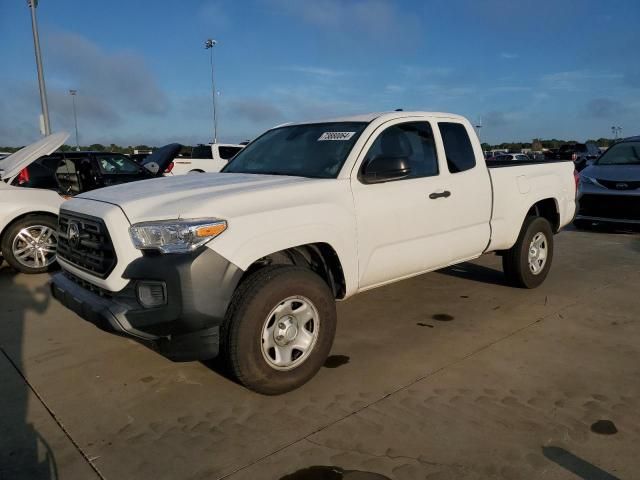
x: 176, y: 236
x: 585, y: 179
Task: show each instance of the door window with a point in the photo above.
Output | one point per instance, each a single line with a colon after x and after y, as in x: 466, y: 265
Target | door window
x: 457, y: 147
x: 411, y: 140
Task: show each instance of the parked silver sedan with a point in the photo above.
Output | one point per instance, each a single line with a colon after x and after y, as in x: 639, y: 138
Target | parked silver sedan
x: 609, y: 190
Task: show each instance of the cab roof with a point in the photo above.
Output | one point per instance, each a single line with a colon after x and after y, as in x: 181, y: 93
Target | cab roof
x: 370, y: 117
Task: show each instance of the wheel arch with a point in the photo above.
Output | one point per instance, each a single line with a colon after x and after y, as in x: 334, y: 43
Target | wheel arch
x: 319, y: 257
x: 19, y: 217
x: 547, y: 208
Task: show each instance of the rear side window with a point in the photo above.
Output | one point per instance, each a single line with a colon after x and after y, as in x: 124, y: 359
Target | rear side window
x: 457, y: 147
x: 228, y: 152
x: 201, y: 151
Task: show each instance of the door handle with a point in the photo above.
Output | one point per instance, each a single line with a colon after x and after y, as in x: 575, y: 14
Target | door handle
x: 435, y: 195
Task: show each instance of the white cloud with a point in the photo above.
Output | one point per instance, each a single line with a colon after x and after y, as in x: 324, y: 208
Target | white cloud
x: 509, y: 56
x: 315, y: 71
x: 380, y: 20
x: 577, y: 80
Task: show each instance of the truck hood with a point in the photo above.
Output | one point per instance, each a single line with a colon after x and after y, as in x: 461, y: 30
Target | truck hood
x: 615, y: 173
x: 203, y: 195
x: 10, y: 166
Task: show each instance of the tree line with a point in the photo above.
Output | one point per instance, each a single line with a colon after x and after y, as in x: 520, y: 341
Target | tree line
x: 536, y: 145
x: 539, y: 144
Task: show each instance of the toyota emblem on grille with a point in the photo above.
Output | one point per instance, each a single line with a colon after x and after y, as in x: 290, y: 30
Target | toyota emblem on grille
x: 73, y: 233
x: 622, y: 186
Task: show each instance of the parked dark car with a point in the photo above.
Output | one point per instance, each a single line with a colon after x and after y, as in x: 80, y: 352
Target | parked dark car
x: 138, y: 157
x: 72, y: 173
x: 512, y: 157
x: 582, y: 154
x: 609, y: 190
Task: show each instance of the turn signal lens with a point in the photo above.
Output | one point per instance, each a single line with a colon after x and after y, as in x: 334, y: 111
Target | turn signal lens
x: 211, y: 230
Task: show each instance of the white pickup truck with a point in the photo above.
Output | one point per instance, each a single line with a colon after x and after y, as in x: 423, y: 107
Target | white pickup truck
x: 206, y: 158
x: 248, y: 263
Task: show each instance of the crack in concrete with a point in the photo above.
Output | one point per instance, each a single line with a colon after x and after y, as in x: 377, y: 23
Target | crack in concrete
x: 420, y: 459
x: 53, y: 415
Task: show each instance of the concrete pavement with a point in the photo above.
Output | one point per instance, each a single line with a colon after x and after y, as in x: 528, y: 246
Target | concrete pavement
x: 449, y: 375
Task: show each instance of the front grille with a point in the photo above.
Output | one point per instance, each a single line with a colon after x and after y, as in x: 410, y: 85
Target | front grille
x: 88, y: 285
x: 620, y: 207
x: 619, y: 184
x: 92, y: 251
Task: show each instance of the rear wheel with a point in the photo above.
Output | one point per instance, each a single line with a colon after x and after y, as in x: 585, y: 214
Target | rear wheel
x: 29, y: 244
x: 528, y: 262
x: 279, y: 329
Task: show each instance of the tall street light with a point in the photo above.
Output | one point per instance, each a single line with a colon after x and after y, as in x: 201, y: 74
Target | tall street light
x: 43, y: 91
x: 73, y: 94
x: 209, y: 44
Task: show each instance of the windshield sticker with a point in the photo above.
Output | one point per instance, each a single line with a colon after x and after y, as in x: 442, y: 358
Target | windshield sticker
x: 340, y: 136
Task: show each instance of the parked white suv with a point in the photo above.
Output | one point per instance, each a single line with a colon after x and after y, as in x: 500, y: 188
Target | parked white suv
x: 206, y: 158
x: 248, y: 263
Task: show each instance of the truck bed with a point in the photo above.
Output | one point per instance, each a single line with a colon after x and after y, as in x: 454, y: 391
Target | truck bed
x: 514, y: 163
x: 517, y: 185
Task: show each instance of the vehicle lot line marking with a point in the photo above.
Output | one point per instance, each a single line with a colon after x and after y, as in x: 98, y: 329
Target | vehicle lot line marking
x: 419, y: 379
x: 53, y: 415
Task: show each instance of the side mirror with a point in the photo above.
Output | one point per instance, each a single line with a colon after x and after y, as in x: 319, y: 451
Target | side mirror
x: 385, y: 169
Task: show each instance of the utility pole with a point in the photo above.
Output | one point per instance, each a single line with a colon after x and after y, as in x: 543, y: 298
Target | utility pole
x: 209, y: 44
x: 73, y: 94
x: 33, y: 4
x: 478, y: 127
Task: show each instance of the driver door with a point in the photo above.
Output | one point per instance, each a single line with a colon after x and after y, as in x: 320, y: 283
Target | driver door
x: 402, y: 224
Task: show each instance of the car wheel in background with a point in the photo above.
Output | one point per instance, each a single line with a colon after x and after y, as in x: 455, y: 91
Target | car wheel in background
x: 528, y: 262
x: 29, y: 244
x: 279, y: 329
x: 583, y: 224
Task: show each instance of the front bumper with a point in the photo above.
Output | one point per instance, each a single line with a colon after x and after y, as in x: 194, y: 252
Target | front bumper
x: 199, y: 287
x: 598, y: 204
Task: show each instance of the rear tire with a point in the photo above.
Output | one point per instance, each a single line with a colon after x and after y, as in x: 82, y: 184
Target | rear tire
x: 29, y: 244
x: 279, y: 329
x: 527, y: 263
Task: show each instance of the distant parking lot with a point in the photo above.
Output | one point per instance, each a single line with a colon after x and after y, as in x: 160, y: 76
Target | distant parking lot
x: 448, y: 375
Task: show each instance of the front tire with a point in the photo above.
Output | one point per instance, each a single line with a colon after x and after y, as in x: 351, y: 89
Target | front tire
x: 279, y: 329
x: 29, y: 244
x: 527, y: 263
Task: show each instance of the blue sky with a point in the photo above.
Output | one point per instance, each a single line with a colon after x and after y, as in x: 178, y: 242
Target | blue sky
x: 563, y: 68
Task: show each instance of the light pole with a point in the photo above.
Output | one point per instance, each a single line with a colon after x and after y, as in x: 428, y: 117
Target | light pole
x: 43, y: 90
x: 616, y: 131
x: 478, y: 127
x: 209, y: 44
x: 73, y: 94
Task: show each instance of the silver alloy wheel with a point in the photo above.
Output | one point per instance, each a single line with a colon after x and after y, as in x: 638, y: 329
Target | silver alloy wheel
x: 538, y: 250
x: 289, y: 333
x: 35, y: 246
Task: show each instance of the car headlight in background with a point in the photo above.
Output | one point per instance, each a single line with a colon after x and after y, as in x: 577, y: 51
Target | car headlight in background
x: 176, y: 236
x: 585, y: 179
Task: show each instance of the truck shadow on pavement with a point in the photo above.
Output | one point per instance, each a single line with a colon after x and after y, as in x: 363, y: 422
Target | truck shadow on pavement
x: 24, y: 452
x: 478, y: 273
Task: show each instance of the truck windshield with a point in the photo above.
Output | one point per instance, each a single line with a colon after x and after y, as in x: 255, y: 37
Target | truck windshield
x: 315, y: 150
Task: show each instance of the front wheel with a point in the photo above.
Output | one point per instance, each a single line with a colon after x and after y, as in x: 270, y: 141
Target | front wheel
x: 528, y: 262
x: 29, y: 244
x: 279, y: 329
